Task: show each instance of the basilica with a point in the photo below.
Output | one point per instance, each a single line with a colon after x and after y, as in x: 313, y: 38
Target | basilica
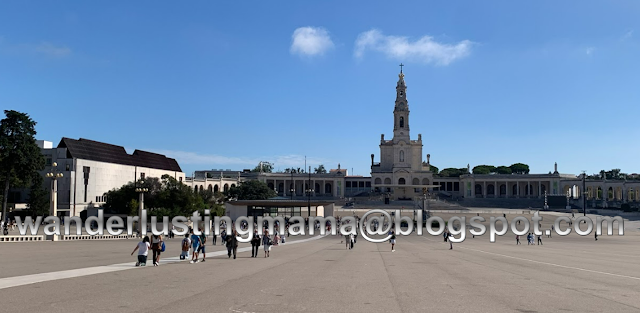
x: 403, y: 174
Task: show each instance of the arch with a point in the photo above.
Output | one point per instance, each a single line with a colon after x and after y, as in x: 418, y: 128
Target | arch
x: 425, y: 181
x: 589, y: 193
x: 514, y: 190
x: 599, y: 195
x: 610, y: 193
x: 491, y: 190
x: 401, y: 122
x: 327, y: 188
x: 618, y: 193
x: 567, y: 189
x: 226, y: 187
x: 216, y: 188
x: 378, y: 181
x: 195, y: 189
x: 478, y: 189
x: 630, y: 194
x: 280, y: 187
x: 401, y: 155
x: 210, y: 188
x: 316, y: 188
x: 416, y: 181
x: 503, y: 189
x: 387, y: 181
x: 201, y: 188
x: 543, y: 189
x: 401, y: 181
x: 233, y: 185
x: 271, y: 186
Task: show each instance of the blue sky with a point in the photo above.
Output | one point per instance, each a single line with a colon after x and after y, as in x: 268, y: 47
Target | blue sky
x: 229, y: 83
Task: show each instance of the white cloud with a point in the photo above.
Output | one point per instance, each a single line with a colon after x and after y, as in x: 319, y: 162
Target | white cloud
x: 627, y: 35
x: 589, y: 50
x: 52, y: 50
x: 424, y: 49
x: 310, y: 41
x: 209, y: 161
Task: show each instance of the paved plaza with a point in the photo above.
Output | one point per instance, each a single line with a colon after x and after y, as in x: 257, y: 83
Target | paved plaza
x: 317, y: 274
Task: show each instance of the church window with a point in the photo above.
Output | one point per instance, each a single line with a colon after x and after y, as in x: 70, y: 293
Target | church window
x: 401, y: 121
x: 401, y: 156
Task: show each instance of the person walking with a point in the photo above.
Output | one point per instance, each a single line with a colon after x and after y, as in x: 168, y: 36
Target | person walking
x: 203, y: 241
x: 529, y: 239
x: 518, y: 240
x: 214, y: 239
x: 540, y: 239
x: 255, y: 243
x: 266, y: 242
x: 347, y: 241
x: 596, y: 235
x: 186, y: 243
x: 450, y: 242
x: 143, y: 251
x: 393, y: 241
x: 195, y: 245
x: 156, y: 247
x: 232, y: 243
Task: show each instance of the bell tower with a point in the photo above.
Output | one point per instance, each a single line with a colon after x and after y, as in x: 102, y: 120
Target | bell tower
x: 401, y: 110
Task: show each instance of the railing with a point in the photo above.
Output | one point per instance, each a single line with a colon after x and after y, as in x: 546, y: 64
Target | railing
x: 21, y: 238
x: 96, y: 237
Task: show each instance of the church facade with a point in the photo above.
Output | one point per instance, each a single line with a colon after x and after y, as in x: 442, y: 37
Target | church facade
x: 401, y: 169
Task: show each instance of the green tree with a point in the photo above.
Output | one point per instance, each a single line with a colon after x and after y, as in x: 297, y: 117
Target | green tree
x: 266, y: 167
x: 453, y: 172
x: 433, y: 169
x: 253, y: 190
x: 519, y: 168
x: 320, y: 169
x: 38, y: 202
x: 20, y: 156
x: 484, y: 169
x: 503, y: 170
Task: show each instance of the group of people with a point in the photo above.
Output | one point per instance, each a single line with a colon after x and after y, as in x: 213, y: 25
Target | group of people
x: 193, y: 245
x: 531, y: 237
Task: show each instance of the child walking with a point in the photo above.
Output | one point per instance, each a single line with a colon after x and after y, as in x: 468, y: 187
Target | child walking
x: 143, y: 251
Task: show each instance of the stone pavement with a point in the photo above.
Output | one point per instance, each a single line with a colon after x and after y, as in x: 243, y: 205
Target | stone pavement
x: 571, y: 273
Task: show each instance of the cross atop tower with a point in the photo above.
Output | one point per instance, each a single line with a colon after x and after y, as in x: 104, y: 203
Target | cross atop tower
x: 401, y: 65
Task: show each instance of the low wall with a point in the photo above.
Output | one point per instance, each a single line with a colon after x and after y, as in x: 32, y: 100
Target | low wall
x: 21, y: 238
x: 96, y: 237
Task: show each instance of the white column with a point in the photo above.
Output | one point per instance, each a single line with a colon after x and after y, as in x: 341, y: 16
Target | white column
x: 54, y: 203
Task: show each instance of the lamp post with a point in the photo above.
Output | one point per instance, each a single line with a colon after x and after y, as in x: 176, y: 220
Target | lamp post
x: 309, y: 191
x: 53, y: 209
x: 584, y: 193
x: 568, y: 197
x: 293, y: 185
x: 141, y: 191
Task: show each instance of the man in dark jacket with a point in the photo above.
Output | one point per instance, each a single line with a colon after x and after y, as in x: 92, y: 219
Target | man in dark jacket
x: 255, y: 243
x: 232, y: 243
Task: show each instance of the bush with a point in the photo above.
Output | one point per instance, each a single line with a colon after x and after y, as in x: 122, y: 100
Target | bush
x: 625, y: 207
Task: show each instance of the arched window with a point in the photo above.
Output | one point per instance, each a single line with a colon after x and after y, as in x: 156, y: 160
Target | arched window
x: 401, y: 156
x: 216, y: 188
x: 401, y: 181
x: 378, y: 181
x: 401, y: 121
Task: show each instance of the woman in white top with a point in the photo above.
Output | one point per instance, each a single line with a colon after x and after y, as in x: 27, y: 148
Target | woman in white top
x: 143, y: 251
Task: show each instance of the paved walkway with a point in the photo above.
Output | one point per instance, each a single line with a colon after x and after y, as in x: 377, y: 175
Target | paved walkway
x: 573, y: 274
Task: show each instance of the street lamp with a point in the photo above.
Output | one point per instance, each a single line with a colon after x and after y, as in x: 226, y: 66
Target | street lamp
x: 293, y: 185
x: 584, y: 193
x: 141, y: 191
x: 309, y: 191
x: 54, y: 175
